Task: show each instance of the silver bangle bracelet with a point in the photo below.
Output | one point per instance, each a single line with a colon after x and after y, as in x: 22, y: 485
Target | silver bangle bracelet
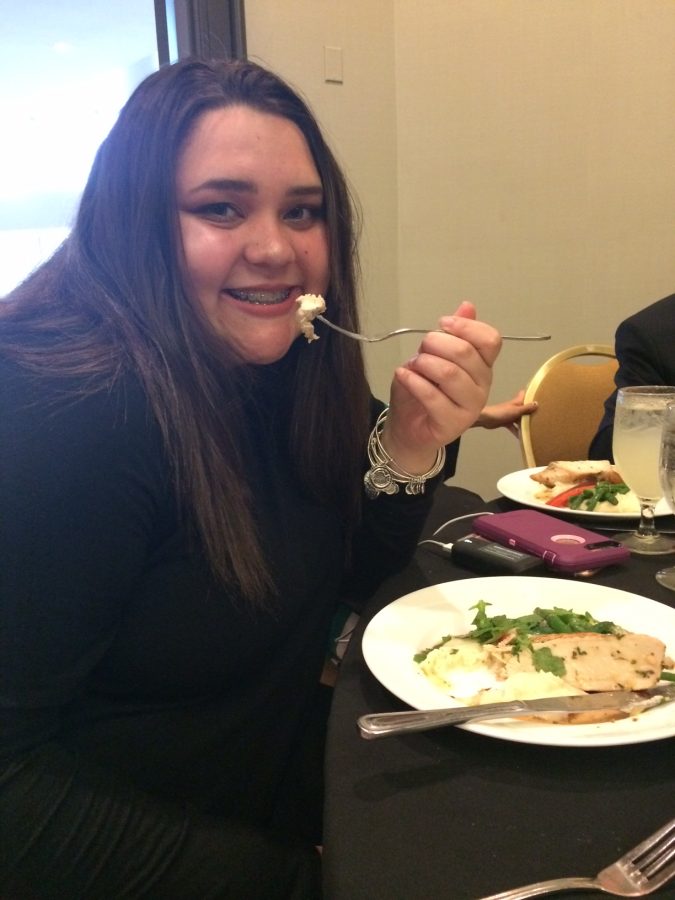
x: 384, y: 476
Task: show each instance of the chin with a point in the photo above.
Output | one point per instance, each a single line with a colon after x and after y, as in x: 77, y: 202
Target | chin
x: 261, y: 354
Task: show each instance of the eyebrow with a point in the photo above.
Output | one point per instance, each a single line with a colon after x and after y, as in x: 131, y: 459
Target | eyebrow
x: 248, y: 187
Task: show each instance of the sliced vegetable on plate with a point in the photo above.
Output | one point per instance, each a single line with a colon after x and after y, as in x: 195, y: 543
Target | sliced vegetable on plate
x: 586, y: 485
x: 588, y: 495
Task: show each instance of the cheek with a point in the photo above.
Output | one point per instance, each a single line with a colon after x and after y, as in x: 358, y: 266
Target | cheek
x: 190, y: 262
x: 316, y: 256
x: 204, y: 259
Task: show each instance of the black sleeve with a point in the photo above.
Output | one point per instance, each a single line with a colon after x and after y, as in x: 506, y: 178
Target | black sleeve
x: 601, y: 445
x: 638, y: 354
x: 388, y: 534
x: 79, y: 506
x: 451, y: 454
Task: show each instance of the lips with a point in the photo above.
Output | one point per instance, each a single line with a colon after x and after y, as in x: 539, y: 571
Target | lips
x: 260, y: 298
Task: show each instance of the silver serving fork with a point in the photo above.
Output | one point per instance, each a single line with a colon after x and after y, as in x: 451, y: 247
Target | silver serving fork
x: 641, y: 871
x: 374, y: 338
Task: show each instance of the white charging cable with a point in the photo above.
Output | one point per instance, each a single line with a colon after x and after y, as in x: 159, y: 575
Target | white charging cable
x: 448, y: 547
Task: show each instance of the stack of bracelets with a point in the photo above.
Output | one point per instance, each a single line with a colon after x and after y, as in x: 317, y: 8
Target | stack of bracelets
x: 384, y: 476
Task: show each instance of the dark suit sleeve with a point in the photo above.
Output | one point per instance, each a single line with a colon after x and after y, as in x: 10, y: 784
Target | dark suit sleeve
x: 641, y: 349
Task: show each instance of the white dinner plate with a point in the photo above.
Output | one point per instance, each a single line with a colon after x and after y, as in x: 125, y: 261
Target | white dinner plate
x: 421, y: 619
x: 518, y: 486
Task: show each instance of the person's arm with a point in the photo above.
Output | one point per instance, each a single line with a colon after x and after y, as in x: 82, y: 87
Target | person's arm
x: 506, y: 414
x: 387, y: 535
x: 434, y: 399
x: 638, y: 355
x: 79, y: 501
x: 440, y: 392
x: 601, y: 444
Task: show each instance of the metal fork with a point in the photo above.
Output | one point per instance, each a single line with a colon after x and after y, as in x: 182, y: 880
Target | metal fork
x: 374, y: 338
x: 641, y: 871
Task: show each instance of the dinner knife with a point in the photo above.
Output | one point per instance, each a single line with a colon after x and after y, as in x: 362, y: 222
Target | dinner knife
x: 375, y: 725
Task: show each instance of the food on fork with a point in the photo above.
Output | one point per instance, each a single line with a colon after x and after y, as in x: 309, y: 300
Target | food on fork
x: 309, y: 307
x: 592, y: 485
x: 548, y: 653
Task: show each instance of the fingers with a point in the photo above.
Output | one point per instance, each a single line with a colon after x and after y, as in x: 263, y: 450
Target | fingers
x: 453, y: 365
x: 464, y: 379
x: 466, y: 310
x: 434, y: 383
x: 458, y: 362
x: 517, y: 401
x: 485, y: 339
x: 440, y: 392
x: 503, y: 414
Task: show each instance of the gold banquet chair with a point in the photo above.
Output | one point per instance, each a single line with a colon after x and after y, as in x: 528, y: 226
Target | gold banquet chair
x: 570, y: 389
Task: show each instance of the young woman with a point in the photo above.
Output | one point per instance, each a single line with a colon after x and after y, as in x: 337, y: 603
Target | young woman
x: 182, y: 500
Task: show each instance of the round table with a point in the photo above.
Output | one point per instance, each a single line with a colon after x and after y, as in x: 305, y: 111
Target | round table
x: 453, y: 814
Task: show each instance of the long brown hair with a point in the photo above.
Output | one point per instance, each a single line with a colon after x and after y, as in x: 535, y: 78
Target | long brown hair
x: 111, y: 300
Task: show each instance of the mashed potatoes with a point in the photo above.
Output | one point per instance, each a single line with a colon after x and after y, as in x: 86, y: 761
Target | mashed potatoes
x: 309, y: 307
x: 475, y: 673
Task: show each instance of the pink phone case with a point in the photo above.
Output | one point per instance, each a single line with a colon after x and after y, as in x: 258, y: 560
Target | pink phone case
x: 564, y: 546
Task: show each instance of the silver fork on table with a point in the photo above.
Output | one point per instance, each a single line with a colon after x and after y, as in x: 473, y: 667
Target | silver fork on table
x: 641, y: 871
x: 374, y: 338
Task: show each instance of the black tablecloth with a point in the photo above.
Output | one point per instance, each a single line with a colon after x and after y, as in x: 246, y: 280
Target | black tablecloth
x: 451, y: 814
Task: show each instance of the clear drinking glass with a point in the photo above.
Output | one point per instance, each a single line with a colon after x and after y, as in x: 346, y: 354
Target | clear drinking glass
x: 636, y: 446
x: 666, y: 577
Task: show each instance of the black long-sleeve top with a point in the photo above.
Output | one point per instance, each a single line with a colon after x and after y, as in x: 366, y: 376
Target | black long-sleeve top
x: 151, y: 725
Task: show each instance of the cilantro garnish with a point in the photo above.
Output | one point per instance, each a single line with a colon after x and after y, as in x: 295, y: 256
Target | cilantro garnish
x: 520, y: 630
x: 491, y: 629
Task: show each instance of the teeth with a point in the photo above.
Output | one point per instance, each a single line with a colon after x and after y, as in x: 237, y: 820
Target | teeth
x: 260, y: 297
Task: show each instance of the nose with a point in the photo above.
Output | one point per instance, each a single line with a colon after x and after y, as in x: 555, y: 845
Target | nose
x: 269, y: 244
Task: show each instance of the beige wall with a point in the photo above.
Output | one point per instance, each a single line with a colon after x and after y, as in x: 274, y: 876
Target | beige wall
x: 359, y: 119
x: 519, y: 153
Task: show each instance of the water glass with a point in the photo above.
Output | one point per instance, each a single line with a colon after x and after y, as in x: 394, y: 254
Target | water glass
x: 666, y: 577
x: 636, y: 447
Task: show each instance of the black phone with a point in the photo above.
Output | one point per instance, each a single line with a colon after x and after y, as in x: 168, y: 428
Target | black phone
x: 481, y: 555
x: 562, y: 545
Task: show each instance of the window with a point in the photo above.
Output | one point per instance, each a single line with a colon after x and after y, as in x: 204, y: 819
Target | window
x: 65, y: 71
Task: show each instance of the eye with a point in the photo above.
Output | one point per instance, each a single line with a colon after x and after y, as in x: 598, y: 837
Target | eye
x: 304, y: 216
x: 223, y: 213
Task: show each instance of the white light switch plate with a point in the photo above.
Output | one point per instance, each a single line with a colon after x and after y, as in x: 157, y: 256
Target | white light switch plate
x: 332, y: 64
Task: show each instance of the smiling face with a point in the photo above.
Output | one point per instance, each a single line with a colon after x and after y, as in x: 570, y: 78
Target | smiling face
x: 252, y: 227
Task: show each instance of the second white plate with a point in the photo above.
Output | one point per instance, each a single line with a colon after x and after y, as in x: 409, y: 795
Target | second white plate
x: 518, y: 486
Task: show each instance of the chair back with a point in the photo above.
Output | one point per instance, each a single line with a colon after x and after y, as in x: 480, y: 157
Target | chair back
x: 570, y: 389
